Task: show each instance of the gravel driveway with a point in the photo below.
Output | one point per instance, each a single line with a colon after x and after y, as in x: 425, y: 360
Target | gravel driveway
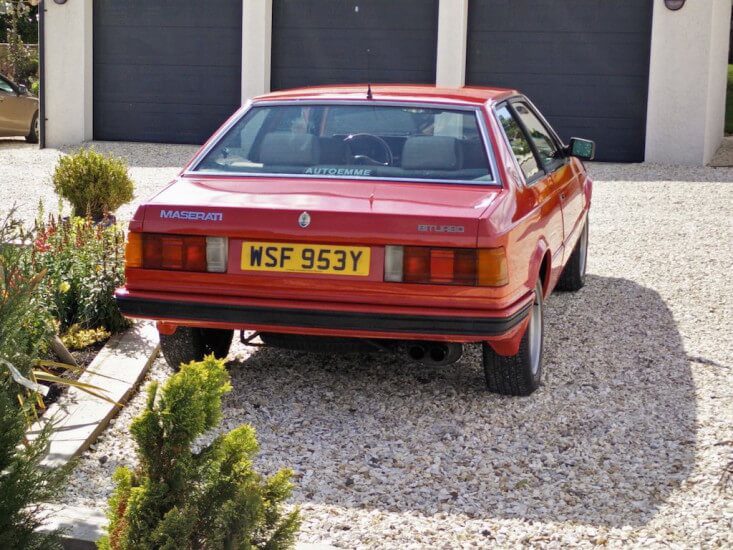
x: 625, y: 442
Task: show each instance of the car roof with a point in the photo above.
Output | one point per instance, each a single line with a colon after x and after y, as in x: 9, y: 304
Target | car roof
x: 468, y: 95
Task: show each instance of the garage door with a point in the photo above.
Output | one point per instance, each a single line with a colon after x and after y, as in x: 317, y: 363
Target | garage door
x: 349, y: 41
x: 585, y: 63
x: 165, y: 71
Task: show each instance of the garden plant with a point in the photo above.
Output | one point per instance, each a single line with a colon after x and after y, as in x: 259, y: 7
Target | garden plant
x: 93, y: 183
x: 181, y: 499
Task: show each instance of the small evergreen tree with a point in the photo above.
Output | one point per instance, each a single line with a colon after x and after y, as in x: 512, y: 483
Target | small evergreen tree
x: 180, y: 500
x: 24, y: 484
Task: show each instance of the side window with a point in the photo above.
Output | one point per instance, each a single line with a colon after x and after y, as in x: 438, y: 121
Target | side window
x: 538, y: 133
x: 5, y: 87
x: 519, y: 143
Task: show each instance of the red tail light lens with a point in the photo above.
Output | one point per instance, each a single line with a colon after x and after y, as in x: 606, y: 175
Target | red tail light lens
x: 175, y: 252
x: 445, y: 266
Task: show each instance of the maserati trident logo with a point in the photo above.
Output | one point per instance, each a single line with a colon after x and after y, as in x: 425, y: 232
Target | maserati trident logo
x: 304, y: 220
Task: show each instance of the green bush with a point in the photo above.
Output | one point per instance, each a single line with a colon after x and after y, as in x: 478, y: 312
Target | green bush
x: 84, y: 264
x: 24, y: 484
x: 183, y: 500
x: 94, y: 184
x: 35, y: 87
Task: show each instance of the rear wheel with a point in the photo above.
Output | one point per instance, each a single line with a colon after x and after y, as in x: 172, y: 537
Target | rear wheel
x: 519, y: 374
x: 573, y: 276
x: 32, y: 136
x: 188, y: 344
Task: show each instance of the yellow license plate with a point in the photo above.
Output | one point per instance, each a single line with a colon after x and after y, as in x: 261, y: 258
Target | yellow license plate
x: 306, y: 258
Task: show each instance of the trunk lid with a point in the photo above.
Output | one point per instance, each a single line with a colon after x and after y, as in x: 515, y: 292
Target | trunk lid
x: 340, y: 211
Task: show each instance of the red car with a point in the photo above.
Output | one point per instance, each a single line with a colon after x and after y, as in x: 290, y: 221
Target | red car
x: 408, y: 219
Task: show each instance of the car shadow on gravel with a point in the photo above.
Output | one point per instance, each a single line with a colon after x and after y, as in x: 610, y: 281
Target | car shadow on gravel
x: 603, y: 442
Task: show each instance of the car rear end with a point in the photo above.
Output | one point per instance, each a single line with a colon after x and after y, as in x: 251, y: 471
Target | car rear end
x: 296, y: 239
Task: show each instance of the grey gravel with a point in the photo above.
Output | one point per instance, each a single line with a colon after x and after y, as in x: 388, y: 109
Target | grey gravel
x: 26, y: 171
x: 624, y: 444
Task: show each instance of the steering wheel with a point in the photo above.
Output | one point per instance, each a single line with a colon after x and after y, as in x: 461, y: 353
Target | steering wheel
x: 366, y: 142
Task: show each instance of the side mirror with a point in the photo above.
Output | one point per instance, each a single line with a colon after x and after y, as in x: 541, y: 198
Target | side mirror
x: 582, y: 148
x: 22, y: 90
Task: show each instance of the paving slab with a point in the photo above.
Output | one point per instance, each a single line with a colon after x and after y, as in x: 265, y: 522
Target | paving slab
x: 78, y: 417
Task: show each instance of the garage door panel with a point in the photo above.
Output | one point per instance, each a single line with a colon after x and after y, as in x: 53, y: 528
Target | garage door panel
x: 332, y: 15
x: 168, y: 13
x: 170, y: 84
x: 172, y: 47
x: 561, y: 15
x: 578, y: 96
x: 165, y: 71
x: 578, y: 52
x: 326, y: 42
x: 338, y: 51
x: 584, y: 63
x: 169, y: 123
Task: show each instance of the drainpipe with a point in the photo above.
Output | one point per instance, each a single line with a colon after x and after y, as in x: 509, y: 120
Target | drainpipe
x: 42, y: 74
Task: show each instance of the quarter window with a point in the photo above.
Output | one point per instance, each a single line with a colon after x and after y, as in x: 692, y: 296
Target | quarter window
x: 5, y: 87
x: 519, y: 143
x: 538, y: 133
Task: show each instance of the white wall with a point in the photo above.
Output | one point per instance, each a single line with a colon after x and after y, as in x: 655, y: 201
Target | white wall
x: 687, y: 81
x: 68, y: 72
x: 452, y: 36
x: 256, y: 47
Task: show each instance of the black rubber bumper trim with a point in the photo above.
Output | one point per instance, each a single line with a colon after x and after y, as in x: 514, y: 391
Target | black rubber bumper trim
x: 308, y: 318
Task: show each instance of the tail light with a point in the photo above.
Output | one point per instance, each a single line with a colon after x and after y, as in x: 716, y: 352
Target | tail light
x: 176, y: 252
x: 446, y: 266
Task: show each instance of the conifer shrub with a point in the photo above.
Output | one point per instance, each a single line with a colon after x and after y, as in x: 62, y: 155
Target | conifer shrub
x: 93, y: 183
x: 181, y: 499
x: 24, y: 484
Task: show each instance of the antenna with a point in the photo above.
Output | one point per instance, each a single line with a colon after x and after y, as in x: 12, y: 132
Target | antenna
x: 369, y: 74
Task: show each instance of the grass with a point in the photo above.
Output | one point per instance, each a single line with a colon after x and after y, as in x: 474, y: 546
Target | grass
x: 729, y: 103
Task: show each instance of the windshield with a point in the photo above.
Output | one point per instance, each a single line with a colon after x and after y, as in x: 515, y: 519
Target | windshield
x: 353, y: 141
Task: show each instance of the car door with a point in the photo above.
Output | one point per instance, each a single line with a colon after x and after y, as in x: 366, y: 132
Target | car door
x: 565, y: 171
x: 538, y: 183
x: 15, y: 111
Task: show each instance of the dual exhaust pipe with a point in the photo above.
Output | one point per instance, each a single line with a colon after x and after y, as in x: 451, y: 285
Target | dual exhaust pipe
x: 434, y: 354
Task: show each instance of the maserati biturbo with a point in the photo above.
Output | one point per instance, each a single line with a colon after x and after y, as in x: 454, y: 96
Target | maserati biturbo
x: 407, y: 219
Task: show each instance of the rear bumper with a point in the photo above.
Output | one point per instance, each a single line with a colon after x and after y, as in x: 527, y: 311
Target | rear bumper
x: 324, y: 319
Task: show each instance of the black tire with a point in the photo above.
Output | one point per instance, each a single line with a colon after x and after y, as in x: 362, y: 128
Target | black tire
x: 520, y: 374
x: 573, y: 276
x: 32, y: 136
x: 188, y: 344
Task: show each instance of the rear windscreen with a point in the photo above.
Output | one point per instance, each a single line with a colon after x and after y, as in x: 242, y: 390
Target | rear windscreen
x: 353, y: 141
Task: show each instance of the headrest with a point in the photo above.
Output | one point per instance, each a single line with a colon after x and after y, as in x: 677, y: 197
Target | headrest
x: 431, y: 153
x: 289, y: 149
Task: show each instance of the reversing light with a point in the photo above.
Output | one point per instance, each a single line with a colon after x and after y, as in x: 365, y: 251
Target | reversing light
x: 445, y: 266
x: 216, y: 254
x: 393, y: 256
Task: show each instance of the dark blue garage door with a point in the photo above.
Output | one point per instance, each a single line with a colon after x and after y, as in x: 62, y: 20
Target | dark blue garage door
x: 165, y: 70
x: 326, y: 42
x: 585, y: 63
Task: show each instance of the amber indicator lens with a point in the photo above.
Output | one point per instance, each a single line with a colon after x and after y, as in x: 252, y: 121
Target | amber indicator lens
x: 134, y: 250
